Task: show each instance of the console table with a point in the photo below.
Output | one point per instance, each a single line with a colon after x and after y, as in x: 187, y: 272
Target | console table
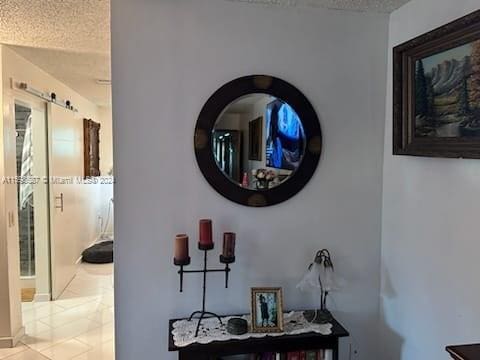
x: 464, y: 352
x: 280, y: 344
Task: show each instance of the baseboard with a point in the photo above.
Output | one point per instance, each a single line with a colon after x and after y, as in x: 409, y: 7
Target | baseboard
x: 42, y: 297
x: 11, y: 342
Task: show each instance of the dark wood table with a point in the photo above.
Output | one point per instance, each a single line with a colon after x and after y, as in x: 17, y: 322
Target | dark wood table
x: 279, y: 344
x: 464, y: 352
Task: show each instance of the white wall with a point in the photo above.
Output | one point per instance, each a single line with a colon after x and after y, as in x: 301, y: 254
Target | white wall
x: 229, y: 121
x: 430, y: 290
x: 169, y: 56
x: 106, y: 208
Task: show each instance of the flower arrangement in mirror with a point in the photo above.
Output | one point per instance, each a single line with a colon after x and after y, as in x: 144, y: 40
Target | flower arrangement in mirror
x: 320, y: 276
x: 263, y: 178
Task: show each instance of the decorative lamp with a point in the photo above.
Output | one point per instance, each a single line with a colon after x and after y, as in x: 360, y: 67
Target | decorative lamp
x: 319, y: 277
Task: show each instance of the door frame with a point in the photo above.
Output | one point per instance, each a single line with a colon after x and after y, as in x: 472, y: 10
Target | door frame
x: 18, y: 97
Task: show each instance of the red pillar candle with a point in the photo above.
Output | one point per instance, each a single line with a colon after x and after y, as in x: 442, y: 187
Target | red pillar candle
x: 206, y: 238
x: 181, y: 247
x: 229, y: 245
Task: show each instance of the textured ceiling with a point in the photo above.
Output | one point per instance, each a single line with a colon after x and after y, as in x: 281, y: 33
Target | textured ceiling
x: 379, y: 6
x: 76, y: 69
x: 75, y: 25
x: 69, y: 39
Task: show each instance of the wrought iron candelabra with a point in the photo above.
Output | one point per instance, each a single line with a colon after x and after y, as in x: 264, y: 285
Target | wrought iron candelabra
x: 203, y: 314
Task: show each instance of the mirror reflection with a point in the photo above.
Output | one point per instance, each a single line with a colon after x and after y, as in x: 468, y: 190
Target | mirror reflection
x: 258, y: 141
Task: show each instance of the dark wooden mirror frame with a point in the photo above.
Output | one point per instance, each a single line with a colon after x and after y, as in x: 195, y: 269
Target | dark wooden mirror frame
x: 217, y: 103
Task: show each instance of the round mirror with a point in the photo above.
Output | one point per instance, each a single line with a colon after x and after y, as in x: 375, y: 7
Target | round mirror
x: 258, y: 140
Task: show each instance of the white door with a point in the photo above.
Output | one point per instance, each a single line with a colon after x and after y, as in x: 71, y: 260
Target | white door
x: 66, y: 169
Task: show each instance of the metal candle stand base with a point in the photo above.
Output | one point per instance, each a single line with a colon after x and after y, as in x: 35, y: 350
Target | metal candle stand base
x: 203, y: 314
x: 200, y: 315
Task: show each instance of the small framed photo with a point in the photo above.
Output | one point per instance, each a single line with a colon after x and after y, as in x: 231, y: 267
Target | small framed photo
x: 267, y: 310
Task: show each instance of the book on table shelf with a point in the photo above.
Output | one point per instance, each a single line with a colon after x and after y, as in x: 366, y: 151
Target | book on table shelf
x: 306, y: 355
x: 295, y: 355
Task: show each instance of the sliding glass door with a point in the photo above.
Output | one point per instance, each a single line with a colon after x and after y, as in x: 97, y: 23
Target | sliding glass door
x: 33, y: 198
x: 26, y: 216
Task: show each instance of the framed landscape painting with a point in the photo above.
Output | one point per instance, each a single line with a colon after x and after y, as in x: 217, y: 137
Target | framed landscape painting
x: 436, y: 92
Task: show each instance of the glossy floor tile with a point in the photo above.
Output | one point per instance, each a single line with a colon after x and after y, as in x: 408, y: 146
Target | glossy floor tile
x: 79, y: 325
x: 66, y: 350
x: 9, y: 352
x: 105, y: 351
x: 27, y: 355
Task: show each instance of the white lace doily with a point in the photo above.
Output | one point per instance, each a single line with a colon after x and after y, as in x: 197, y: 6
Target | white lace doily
x: 211, y: 330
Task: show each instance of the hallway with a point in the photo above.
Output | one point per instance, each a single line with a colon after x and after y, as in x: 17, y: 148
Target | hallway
x: 80, y: 325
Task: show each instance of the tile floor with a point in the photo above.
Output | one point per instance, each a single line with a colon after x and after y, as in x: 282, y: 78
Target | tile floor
x: 79, y: 325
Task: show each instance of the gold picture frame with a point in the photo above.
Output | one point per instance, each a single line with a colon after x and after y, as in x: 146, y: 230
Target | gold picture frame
x: 267, y: 309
